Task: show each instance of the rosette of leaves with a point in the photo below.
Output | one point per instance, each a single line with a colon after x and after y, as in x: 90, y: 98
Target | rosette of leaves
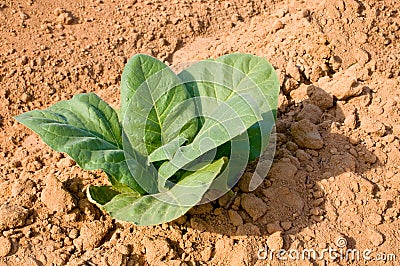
x: 173, y: 135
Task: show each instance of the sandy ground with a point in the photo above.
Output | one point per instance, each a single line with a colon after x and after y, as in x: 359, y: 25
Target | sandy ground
x: 335, y: 180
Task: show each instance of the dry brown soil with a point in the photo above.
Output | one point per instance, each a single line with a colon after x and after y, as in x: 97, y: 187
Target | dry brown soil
x: 336, y: 172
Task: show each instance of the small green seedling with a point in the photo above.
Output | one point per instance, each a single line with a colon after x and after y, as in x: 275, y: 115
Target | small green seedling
x: 175, y: 139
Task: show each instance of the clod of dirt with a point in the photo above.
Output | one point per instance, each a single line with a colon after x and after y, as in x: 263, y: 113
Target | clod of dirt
x: 396, y: 130
x: 123, y: 249
x: 316, y: 73
x: 278, y: 25
x: 293, y: 71
x: 344, y: 87
x: 228, y: 253
x: 55, y: 197
x: 235, y: 218
x: 198, y: 224
x: 286, y: 225
x: 350, y: 121
x: 65, y: 163
x: 319, y: 97
x: 302, y: 155
x: 5, y: 246
x: 63, y: 16
x: 23, y: 15
x: 157, y: 250
x: 299, y: 94
x: 364, y: 184
x: 223, y: 247
x: 58, y: 11
x: 206, y: 254
x: 181, y: 220
x: 310, y: 112
x: 24, y: 192
x: 275, y: 241
x: 254, y: 206
x: 282, y: 168
x: 306, y: 135
x: 201, y: 209
x: 371, y: 126
x: 375, y: 237
x: 91, y: 235
x: 12, y: 216
x: 88, y: 208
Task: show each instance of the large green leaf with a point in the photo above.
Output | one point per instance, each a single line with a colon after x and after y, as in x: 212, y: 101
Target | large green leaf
x: 150, y: 91
x: 233, y: 93
x: 261, y: 76
x: 239, y: 74
x: 157, y: 208
x: 88, y: 130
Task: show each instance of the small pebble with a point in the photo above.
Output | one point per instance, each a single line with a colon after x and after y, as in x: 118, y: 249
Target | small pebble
x: 318, y: 218
x: 22, y: 61
x: 318, y: 194
x: 286, y: 225
x: 315, y: 211
x: 23, y: 16
x: 123, y: 249
x: 278, y: 25
x: 73, y: 233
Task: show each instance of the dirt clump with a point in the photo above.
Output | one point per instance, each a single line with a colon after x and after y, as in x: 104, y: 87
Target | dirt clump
x: 12, y: 216
x: 5, y: 246
x: 90, y: 235
x: 253, y: 205
x: 306, y: 134
x: 55, y: 197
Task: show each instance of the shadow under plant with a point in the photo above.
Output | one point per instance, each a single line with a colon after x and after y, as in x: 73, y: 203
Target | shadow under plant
x: 312, y: 154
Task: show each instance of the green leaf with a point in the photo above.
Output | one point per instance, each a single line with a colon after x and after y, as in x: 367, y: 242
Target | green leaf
x: 88, y: 130
x: 242, y: 74
x: 234, y: 93
x: 162, y: 207
x: 167, y: 151
x: 102, y: 194
x: 261, y: 76
x: 155, y: 105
